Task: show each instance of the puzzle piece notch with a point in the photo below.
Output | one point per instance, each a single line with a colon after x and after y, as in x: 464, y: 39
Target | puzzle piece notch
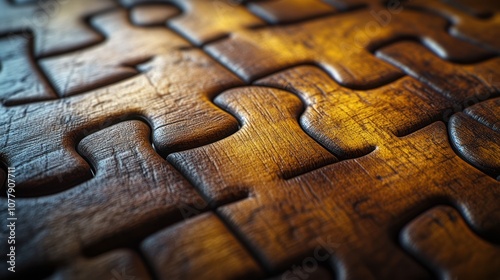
x: 205, y: 245
x: 120, y: 264
x: 252, y: 54
x: 109, y: 62
x: 134, y: 190
x: 353, y: 123
x: 286, y: 11
x: 196, y: 23
x: 266, y: 116
x: 481, y: 119
x: 283, y: 220
x: 173, y: 94
x: 461, y: 84
x: 57, y: 26
x: 441, y: 239
x: 20, y: 79
x: 483, y: 32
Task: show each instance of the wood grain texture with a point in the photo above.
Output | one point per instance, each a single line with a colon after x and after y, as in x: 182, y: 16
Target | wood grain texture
x: 118, y: 264
x: 352, y: 123
x: 460, y: 83
x: 54, y: 25
x: 459, y: 248
x: 481, y: 119
x: 342, y: 51
x: 203, y: 21
x: 188, y: 251
x: 133, y: 193
x: 169, y: 94
x: 259, y: 139
x: 479, y: 30
x: 20, y: 80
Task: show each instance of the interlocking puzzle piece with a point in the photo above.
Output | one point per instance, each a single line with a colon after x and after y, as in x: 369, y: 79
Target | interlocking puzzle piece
x: 173, y: 94
x: 462, y: 84
x: 199, y: 248
x: 115, y: 265
x: 484, y: 32
x: 152, y: 14
x: 340, y: 44
x: 351, y: 207
x: 20, y: 80
x: 284, y: 11
x: 134, y: 193
x: 475, y: 134
x: 352, y: 123
x: 441, y: 239
x: 56, y: 26
x: 197, y: 21
x: 267, y: 117
x: 112, y: 61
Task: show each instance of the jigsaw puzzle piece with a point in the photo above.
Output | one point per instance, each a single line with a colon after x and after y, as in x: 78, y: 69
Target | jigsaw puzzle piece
x: 56, y: 26
x: 207, y: 248
x: 152, y: 14
x: 441, y: 239
x: 20, y: 79
x: 352, y: 123
x: 352, y: 217
x: 286, y: 217
x: 482, y: 119
x: 115, y: 265
x: 268, y: 119
x: 111, y: 61
x: 285, y: 11
x: 197, y: 23
x: 484, y: 32
x: 462, y: 84
x: 134, y: 189
x: 340, y: 44
x: 173, y: 94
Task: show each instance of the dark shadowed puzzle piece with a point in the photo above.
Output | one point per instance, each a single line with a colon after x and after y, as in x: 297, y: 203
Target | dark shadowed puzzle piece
x: 441, y: 239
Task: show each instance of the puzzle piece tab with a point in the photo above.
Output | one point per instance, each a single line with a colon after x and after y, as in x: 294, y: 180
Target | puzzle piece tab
x: 113, y: 60
x: 20, y: 79
x: 134, y: 193
x: 173, y: 93
x: 480, y: 120
x: 267, y: 117
x: 484, y: 32
x: 459, y: 83
x: 55, y: 26
x: 352, y: 123
x: 286, y: 217
x: 197, y: 22
x: 340, y: 44
x: 199, y: 248
x: 441, y: 239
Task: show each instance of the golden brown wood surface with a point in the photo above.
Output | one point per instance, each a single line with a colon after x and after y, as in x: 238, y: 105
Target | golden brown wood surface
x: 252, y: 139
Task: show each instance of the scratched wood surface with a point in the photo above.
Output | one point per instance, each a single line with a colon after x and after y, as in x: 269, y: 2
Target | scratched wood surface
x: 255, y: 139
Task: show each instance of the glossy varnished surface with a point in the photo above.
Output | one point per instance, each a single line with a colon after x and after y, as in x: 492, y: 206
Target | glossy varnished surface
x: 274, y: 139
